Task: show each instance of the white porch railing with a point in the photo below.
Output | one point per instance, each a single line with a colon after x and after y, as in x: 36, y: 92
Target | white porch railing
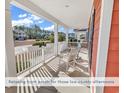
x: 48, y: 51
x: 28, y: 58
x: 75, y: 44
x: 62, y: 46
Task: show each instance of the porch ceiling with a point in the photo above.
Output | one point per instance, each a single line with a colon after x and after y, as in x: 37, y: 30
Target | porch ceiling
x: 73, y: 13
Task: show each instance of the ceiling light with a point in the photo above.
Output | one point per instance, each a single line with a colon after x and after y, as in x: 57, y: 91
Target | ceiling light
x: 67, y: 6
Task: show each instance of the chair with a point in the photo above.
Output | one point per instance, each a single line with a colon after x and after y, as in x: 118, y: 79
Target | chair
x: 69, y: 59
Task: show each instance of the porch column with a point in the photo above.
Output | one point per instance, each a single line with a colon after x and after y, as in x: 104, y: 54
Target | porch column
x: 56, y: 39
x: 10, y: 66
x: 66, y: 29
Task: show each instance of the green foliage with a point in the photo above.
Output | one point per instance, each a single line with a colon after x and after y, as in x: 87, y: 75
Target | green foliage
x: 39, y: 43
x: 72, y: 39
x: 51, y: 38
x: 34, y: 32
x: 61, y: 37
x: 75, y: 40
x: 37, y: 39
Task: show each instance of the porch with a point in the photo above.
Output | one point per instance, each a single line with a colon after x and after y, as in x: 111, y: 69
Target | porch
x: 45, y: 61
x: 46, y: 64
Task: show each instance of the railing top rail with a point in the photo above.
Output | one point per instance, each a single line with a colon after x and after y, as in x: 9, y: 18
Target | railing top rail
x: 22, y: 51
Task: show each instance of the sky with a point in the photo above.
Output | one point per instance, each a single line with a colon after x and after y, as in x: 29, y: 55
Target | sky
x: 22, y: 17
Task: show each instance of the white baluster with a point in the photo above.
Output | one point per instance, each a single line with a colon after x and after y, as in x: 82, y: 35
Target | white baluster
x: 18, y: 63
x: 35, y: 57
x: 27, y: 57
x: 32, y: 58
x: 38, y: 55
x: 43, y: 54
x: 30, y: 55
x: 21, y: 61
x: 36, y: 62
x: 25, y: 61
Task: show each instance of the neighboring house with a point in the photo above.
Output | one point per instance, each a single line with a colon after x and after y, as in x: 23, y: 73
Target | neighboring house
x: 72, y: 35
x: 81, y: 34
x: 19, y: 35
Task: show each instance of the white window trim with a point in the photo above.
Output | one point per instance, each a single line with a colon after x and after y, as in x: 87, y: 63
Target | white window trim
x: 103, y: 40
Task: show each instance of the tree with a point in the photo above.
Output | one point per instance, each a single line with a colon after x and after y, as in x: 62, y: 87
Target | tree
x: 61, y: 37
x: 29, y: 33
x: 37, y: 32
x: 51, y: 38
x: 16, y: 27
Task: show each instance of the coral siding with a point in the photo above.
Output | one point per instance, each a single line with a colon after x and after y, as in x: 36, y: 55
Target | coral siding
x: 112, y: 69
x: 97, y: 6
x: 111, y: 90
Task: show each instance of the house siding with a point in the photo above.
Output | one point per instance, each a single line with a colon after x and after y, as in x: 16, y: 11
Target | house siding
x: 97, y: 6
x: 112, y: 69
